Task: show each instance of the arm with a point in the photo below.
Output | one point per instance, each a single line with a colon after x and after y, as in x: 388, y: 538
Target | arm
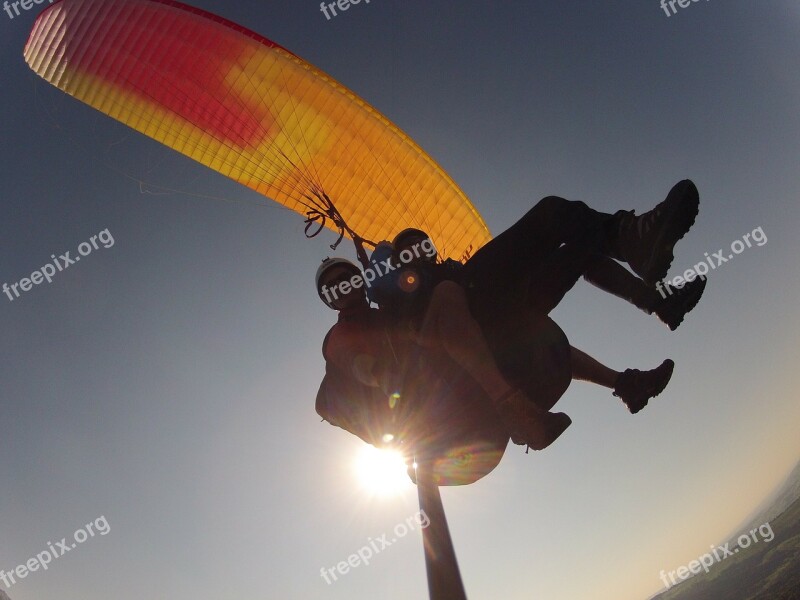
x: 351, y: 395
x: 357, y: 351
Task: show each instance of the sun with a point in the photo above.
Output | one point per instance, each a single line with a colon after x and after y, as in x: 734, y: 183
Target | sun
x: 381, y: 472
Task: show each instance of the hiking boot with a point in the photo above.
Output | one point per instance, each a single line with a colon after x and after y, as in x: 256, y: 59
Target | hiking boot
x: 636, y: 387
x: 529, y: 425
x: 646, y: 242
x: 672, y: 309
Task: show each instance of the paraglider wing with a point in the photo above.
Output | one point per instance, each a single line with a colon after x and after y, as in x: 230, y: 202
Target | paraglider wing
x: 253, y: 111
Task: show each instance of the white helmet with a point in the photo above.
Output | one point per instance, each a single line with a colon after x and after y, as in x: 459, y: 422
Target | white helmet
x: 330, y: 263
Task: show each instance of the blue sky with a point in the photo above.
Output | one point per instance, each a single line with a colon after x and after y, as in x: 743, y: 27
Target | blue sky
x: 167, y: 383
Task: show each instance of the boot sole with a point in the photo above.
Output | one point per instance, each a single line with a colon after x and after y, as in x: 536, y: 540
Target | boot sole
x: 669, y: 366
x: 685, y: 205
x: 691, y: 302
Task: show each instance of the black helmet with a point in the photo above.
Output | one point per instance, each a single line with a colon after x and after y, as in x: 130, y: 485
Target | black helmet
x: 408, y: 233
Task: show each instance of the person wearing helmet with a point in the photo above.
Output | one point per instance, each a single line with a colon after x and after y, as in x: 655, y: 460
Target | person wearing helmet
x: 365, y: 345
x: 419, y: 272
x: 351, y: 395
x: 414, y: 399
x: 521, y: 275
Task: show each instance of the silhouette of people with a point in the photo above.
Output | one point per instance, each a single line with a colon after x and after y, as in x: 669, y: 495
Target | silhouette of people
x: 490, y: 315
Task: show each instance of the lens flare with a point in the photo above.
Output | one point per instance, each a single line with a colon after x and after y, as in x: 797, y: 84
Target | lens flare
x: 381, y: 472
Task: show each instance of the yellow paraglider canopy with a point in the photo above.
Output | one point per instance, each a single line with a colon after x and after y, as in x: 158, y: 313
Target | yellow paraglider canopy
x: 253, y: 111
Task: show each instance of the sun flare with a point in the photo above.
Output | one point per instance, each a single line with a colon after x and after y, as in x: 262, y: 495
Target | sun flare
x: 382, y: 472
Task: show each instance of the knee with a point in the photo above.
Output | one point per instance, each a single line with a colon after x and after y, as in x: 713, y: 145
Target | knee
x: 447, y: 303
x: 547, y: 209
x: 449, y: 292
x: 551, y: 203
x: 557, y: 203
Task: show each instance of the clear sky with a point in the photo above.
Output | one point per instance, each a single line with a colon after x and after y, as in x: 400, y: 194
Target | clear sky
x: 167, y: 383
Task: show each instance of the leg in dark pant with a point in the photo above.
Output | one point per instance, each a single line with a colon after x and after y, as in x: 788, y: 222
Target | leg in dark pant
x: 554, y: 277
x: 542, y: 230
x: 539, y: 258
x: 610, y: 276
x: 550, y: 279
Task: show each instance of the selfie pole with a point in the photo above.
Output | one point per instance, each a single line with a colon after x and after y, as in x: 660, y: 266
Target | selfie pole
x: 444, y: 577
